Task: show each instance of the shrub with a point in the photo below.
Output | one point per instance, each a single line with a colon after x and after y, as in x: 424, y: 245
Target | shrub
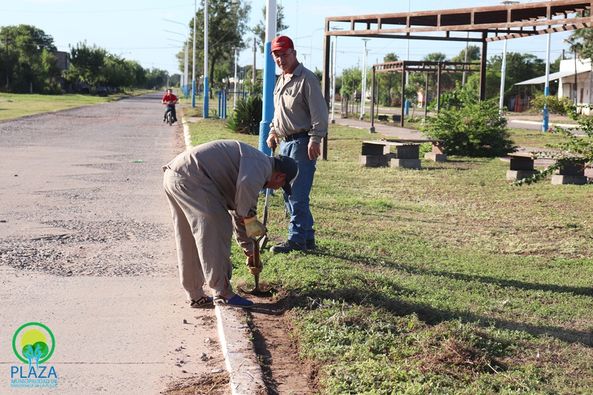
x: 470, y: 127
x: 247, y: 116
x: 561, y: 106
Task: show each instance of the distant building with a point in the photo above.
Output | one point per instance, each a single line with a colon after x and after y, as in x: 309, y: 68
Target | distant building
x: 574, y: 82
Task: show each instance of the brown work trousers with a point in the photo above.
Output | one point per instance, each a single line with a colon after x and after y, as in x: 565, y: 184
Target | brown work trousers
x: 203, y: 232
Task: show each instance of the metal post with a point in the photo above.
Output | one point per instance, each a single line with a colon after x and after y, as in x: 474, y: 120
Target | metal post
x: 254, y: 70
x: 503, y: 72
x: 546, y: 120
x: 269, y: 78
x: 483, y: 64
x: 333, y: 94
x: 438, y: 87
x: 373, y: 87
x: 325, y: 83
x: 425, y: 95
x: 463, y: 77
x: 186, y: 70
x: 235, y: 83
x: 364, y: 79
x: 401, y: 122
x: 193, y: 73
x: 206, y: 86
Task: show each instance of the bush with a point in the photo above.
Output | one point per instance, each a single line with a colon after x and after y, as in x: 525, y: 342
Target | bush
x: 561, y: 106
x: 247, y: 116
x: 470, y: 127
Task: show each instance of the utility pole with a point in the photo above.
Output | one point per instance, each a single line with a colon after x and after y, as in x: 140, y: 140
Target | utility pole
x: 185, y: 69
x: 546, y: 120
x: 235, y: 83
x: 364, y: 79
x: 269, y: 78
x: 206, y: 87
x: 503, y: 68
x: 254, y: 70
x: 193, y: 73
x: 333, y: 93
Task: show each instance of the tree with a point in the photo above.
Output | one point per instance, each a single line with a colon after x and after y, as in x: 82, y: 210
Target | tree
x: 351, y: 82
x: 519, y: 67
x: 388, y: 83
x: 227, y: 23
x: 260, y: 29
x: 26, y: 53
x: 582, y: 41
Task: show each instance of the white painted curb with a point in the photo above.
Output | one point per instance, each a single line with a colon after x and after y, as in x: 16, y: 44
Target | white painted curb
x: 245, y: 373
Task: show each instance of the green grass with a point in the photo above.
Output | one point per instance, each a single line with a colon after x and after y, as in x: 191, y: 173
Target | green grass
x: 446, y: 280
x: 16, y: 105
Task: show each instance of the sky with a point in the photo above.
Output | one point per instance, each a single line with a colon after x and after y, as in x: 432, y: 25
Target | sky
x: 152, y: 31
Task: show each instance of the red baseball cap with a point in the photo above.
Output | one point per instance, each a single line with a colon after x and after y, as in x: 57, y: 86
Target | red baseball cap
x: 282, y: 43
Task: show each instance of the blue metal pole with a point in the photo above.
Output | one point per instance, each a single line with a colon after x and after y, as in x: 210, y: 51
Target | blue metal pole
x: 546, y: 120
x: 193, y: 93
x: 269, y: 77
x: 206, y: 94
x: 268, y: 99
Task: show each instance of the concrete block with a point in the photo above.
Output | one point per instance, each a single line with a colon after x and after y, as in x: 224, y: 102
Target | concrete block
x: 408, y: 151
x: 405, y: 163
x: 435, y: 157
x: 374, y: 148
x: 514, y: 175
x: 373, y: 160
x: 562, y: 179
x: 521, y: 163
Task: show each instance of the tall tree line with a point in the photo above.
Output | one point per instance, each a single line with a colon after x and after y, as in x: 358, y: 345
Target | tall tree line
x: 28, y: 63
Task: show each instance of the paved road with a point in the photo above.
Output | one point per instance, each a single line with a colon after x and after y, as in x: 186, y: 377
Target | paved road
x: 86, y: 248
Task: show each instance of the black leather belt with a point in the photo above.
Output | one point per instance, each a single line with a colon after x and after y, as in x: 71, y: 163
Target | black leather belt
x: 296, y: 136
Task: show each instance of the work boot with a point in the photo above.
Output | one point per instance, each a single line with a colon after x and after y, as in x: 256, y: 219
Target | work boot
x: 288, y: 246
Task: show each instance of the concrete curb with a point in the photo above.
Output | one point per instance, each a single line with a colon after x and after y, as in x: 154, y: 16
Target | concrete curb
x: 246, y: 376
x: 241, y: 362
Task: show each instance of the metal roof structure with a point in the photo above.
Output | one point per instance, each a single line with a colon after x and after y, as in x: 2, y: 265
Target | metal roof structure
x: 497, y: 22
x: 476, y: 24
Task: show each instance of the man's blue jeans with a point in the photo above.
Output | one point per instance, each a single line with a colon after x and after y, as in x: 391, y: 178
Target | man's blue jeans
x: 300, y: 228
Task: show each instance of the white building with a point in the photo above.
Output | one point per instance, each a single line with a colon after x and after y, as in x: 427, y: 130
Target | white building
x: 574, y: 82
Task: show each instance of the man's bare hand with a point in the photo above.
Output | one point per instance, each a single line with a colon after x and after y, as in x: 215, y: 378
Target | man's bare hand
x: 314, y: 150
x: 273, y: 141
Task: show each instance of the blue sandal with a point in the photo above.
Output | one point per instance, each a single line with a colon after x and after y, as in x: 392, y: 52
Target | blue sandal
x: 234, y: 300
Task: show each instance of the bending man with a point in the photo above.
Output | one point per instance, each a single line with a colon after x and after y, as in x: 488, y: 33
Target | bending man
x: 212, y: 189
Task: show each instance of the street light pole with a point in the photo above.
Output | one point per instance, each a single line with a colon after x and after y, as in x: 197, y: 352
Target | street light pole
x: 269, y: 77
x: 333, y: 93
x: 193, y: 73
x: 503, y: 68
x: 206, y: 87
x: 364, y: 79
x: 235, y: 83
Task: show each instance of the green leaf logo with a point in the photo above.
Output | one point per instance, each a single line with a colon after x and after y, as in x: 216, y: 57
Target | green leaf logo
x: 33, y: 343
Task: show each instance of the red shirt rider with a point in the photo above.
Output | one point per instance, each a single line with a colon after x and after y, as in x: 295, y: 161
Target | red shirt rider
x: 170, y: 100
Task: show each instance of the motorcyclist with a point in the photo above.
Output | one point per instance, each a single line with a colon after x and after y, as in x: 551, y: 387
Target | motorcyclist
x: 169, y: 99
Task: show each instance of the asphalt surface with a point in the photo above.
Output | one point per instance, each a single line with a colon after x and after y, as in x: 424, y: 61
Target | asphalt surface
x: 86, y: 247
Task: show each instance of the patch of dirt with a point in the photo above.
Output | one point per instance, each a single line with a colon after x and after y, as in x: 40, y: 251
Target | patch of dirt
x: 284, y: 371
x: 208, y: 384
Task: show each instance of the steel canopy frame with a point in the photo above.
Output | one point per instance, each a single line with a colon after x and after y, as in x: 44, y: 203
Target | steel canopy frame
x: 481, y: 24
x: 422, y: 66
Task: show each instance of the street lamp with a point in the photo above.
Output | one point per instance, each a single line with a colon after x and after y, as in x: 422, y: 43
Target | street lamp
x: 206, y: 87
x: 503, y: 69
x: 364, y: 79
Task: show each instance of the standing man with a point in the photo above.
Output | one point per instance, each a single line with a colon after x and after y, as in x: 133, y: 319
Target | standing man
x: 299, y: 124
x: 212, y: 189
x: 169, y: 99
